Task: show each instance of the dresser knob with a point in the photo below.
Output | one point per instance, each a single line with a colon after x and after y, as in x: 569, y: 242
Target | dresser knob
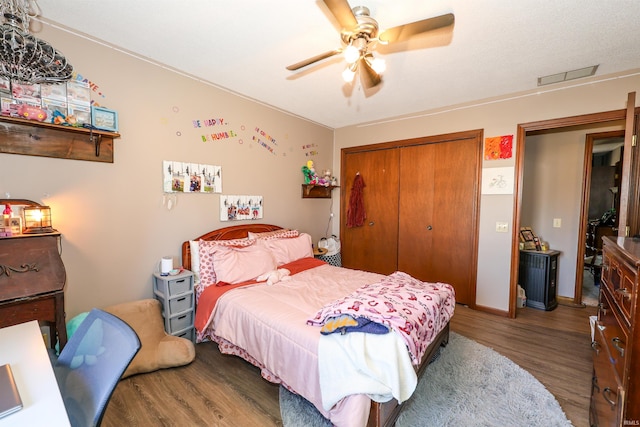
x: 596, y: 347
x: 624, y: 292
x: 616, y: 343
x: 606, y: 393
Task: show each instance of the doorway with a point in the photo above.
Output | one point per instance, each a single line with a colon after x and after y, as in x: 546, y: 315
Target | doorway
x: 574, y: 257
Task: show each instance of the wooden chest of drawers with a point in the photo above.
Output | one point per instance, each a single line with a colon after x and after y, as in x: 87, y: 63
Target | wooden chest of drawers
x: 32, y: 279
x: 615, y: 393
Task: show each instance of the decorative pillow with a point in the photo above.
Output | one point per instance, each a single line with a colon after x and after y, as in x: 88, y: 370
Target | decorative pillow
x: 275, y: 234
x: 289, y: 249
x: 195, y: 260
x: 235, y: 264
x: 207, y: 272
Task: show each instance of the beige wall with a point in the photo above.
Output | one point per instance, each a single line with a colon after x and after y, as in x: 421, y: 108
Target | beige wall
x: 496, y: 117
x: 114, y: 226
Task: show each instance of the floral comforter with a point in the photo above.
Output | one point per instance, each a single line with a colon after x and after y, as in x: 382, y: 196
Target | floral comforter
x: 416, y: 310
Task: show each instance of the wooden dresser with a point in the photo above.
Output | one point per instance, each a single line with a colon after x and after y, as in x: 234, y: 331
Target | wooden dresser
x: 32, y: 279
x: 615, y: 392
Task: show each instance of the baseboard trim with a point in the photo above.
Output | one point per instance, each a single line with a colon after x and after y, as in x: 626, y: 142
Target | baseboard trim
x: 492, y: 310
x: 569, y: 302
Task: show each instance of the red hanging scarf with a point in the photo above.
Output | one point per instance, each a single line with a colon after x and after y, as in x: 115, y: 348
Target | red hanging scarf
x: 355, y: 213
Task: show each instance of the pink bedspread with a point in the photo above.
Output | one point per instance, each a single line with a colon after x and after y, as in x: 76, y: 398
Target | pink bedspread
x: 266, y: 325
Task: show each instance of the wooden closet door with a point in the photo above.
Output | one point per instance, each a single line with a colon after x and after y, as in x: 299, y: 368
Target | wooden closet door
x: 372, y: 247
x: 437, y: 214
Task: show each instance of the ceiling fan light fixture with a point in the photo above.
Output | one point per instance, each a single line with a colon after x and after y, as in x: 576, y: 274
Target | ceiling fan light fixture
x: 378, y: 65
x: 351, y: 54
x: 349, y: 73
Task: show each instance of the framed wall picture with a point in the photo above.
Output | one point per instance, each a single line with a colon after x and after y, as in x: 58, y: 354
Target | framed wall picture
x: 104, y: 119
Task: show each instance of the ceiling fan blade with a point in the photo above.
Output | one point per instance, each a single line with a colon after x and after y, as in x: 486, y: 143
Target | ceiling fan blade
x: 368, y: 75
x: 316, y: 58
x: 342, y: 12
x: 404, y: 32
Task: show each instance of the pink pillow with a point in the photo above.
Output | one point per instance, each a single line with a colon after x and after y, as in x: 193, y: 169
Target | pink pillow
x: 276, y: 234
x: 207, y: 273
x: 287, y: 250
x: 234, y: 264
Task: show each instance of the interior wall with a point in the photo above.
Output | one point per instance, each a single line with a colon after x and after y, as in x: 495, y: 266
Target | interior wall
x: 497, y: 117
x: 114, y: 225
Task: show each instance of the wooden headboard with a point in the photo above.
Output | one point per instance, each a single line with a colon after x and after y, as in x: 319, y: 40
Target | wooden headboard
x: 227, y: 233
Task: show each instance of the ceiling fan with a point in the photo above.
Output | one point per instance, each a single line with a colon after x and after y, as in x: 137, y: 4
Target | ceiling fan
x: 360, y: 35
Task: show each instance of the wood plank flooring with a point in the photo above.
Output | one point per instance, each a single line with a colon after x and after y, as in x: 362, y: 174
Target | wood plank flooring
x: 219, y: 390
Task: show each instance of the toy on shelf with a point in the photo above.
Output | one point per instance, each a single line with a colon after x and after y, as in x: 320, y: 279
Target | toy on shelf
x: 312, y: 178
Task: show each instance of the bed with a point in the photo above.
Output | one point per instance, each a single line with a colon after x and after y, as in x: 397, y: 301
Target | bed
x: 270, y: 323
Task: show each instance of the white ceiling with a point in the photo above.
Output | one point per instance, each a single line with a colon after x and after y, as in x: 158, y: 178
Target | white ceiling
x: 496, y: 47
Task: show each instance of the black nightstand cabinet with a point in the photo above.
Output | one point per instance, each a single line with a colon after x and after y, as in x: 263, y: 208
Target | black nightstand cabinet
x: 538, y: 276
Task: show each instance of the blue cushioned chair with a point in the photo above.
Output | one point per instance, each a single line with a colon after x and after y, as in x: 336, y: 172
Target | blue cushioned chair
x: 91, y: 364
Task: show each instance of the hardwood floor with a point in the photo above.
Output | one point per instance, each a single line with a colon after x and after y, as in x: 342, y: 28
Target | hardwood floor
x: 219, y: 390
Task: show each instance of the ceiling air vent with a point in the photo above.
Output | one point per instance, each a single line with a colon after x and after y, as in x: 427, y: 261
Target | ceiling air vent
x: 567, y: 75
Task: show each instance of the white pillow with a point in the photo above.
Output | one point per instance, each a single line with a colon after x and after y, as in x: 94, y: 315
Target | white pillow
x: 195, y: 261
x: 289, y: 249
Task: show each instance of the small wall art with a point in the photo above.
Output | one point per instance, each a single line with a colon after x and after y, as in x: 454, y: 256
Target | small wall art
x: 180, y: 177
x: 497, y: 180
x: 498, y: 147
x: 237, y: 208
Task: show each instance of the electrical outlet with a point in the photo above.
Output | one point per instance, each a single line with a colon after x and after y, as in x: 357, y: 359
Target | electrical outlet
x: 502, y: 227
x: 557, y: 222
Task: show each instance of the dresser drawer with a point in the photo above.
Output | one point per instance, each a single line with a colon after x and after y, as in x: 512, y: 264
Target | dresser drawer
x: 607, y: 394
x: 620, y: 278
x: 176, y: 305
x: 180, y: 322
x: 614, y: 335
x: 172, y: 286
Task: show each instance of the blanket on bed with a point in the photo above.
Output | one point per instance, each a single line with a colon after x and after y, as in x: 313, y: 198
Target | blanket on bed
x: 209, y: 297
x: 416, y: 310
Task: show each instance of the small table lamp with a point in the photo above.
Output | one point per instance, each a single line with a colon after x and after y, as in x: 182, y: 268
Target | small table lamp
x: 37, y: 219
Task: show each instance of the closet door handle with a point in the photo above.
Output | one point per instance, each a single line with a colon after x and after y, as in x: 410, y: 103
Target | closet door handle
x: 429, y: 227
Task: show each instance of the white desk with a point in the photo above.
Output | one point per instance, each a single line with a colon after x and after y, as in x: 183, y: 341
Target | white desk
x: 23, y: 348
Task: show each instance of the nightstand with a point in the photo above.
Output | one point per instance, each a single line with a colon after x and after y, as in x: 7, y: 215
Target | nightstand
x: 176, y: 295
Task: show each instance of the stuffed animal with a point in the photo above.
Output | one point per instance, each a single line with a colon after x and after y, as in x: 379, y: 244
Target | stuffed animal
x: 309, y: 172
x: 275, y: 276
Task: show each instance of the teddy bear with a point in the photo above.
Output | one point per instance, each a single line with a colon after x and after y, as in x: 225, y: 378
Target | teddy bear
x: 275, y: 276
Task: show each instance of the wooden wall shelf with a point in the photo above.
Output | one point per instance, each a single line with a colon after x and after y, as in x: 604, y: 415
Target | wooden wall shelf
x: 311, y: 191
x: 33, y: 138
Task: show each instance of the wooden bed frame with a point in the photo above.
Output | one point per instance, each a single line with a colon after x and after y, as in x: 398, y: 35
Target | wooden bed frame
x: 382, y: 414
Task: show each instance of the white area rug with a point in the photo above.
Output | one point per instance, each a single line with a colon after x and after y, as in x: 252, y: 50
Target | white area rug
x: 468, y: 385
